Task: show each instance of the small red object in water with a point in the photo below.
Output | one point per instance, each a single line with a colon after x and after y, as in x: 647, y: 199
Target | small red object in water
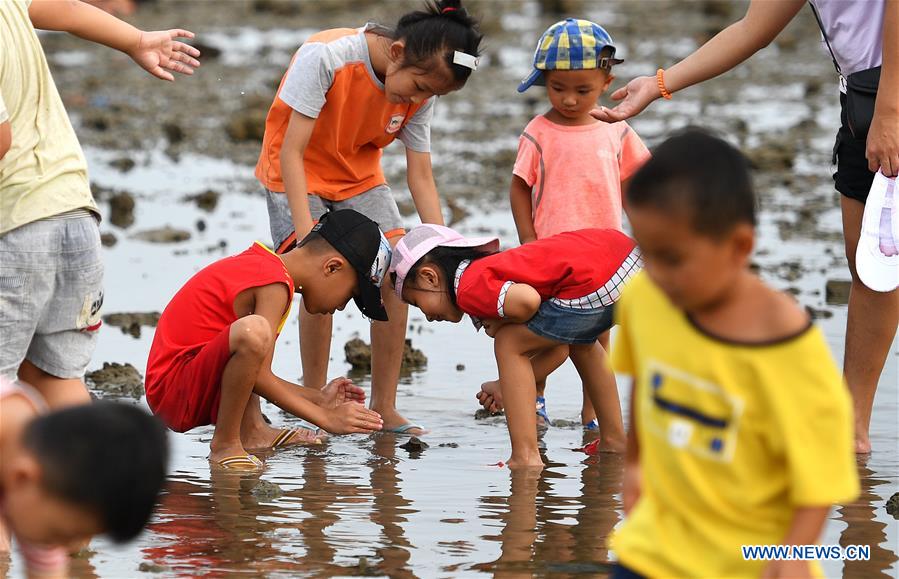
x: 591, y: 448
x: 500, y: 464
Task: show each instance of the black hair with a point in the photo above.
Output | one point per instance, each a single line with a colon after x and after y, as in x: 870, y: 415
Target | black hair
x: 314, y: 242
x: 447, y: 260
x: 699, y: 174
x: 108, y: 458
x: 444, y: 26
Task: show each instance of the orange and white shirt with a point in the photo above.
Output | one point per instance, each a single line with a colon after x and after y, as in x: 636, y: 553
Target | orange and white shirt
x: 331, y: 79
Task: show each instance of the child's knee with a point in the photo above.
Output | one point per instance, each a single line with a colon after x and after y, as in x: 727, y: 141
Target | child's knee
x: 584, y: 351
x: 252, y: 335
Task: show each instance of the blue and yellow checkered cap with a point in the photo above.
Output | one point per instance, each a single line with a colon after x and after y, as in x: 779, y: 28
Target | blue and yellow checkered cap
x: 571, y: 44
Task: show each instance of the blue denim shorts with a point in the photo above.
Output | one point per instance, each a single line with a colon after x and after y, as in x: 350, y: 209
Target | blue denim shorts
x: 570, y: 325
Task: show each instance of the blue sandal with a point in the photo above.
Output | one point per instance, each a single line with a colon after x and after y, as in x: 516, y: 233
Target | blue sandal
x: 541, y: 410
x: 592, y: 425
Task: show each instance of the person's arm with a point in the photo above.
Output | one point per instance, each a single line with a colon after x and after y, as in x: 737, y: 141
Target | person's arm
x: 805, y: 529
x: 299, y: 131
x: 521, y: 303
x: 520, y: 199
x: 5, y: 139
x: 882, y: 148
x: 420, y: 179
x: 763, y: 21
x: 270, y: 302
x: 157, y: 52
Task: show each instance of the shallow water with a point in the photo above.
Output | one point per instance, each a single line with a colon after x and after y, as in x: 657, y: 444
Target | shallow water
x: 360, y: 505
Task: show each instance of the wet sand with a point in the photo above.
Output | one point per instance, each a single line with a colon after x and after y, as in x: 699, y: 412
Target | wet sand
x: 361, y: 505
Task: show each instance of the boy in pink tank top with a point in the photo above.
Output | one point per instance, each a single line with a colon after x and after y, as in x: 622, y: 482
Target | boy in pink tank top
x: 570, y: 167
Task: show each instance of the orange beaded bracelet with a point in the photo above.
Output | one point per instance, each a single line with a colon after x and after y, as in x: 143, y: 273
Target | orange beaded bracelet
x: 660, y: 80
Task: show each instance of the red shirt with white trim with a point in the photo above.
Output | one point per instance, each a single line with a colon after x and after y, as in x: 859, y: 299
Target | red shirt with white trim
x: 581, y: 269
x: 204, y: 308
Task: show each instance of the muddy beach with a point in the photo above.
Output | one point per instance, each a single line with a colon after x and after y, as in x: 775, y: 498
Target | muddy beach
x: 172, y: 169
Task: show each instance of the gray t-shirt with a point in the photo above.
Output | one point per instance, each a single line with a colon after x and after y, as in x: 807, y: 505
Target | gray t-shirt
x: 311, y: 74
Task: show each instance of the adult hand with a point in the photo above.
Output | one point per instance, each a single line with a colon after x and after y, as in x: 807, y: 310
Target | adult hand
x: 634, y: 96
x: 340, y: 390
x: 882, y: 148
x: 160, y: 54
x: 352, y: 417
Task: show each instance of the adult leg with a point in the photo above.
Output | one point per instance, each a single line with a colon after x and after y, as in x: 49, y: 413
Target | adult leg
x: 514, y: 344
x: 249, y: 341
x: 387, y: 342
x: 870, y: 329
x: 599, y: 383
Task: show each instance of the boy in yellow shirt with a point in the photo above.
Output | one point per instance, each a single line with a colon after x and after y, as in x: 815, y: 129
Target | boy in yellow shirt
x: 51, y: 271
x: 741, y: 427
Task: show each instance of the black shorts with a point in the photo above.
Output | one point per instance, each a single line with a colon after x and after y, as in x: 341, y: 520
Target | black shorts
x: 852, y: 178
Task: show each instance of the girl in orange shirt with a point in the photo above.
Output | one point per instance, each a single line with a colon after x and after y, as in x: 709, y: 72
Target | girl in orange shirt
x: 348, y: 93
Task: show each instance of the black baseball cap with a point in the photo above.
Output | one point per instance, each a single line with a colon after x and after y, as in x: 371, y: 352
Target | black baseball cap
x: 359, y: 240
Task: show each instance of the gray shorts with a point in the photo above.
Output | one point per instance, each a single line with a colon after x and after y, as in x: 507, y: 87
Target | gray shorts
x: 377, y: 204
x: 51, y: 292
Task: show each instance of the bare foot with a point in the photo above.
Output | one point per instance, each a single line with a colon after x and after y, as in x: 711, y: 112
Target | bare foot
x: 393, y: 420
x: 525, y: 460
x: 491, y: 396
x: 862, y: 443
x: 612, y: 445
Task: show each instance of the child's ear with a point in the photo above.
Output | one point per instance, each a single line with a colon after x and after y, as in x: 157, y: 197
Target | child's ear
x: 428, y: 278
x: 609, y: 78
x: 26, y: 471
x: 397, y: 50
x: 333, y: 265
x: 743, y: 241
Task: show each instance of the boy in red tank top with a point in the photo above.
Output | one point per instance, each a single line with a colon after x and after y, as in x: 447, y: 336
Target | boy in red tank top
x: 212, y: 353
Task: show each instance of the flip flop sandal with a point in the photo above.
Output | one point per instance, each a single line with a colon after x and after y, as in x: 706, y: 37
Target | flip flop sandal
x: 541, y: 411
x: 245, y: 463
x: 286, y: 436
x: 405, y: 428
x: 592, y: 425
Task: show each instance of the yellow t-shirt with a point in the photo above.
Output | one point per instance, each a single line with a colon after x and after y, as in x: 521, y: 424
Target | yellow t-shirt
x: 733, y: 437
x: 44, y: 173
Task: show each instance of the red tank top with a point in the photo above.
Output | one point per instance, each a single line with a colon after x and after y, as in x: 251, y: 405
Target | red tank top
x: 204, y: 307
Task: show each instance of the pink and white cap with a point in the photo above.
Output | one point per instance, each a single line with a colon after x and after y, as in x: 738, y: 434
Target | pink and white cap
x: 422, y: 239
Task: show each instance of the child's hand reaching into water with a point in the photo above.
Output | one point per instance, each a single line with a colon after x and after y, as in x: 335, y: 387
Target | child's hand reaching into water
x: 490, y: 396
x: 352, y: 417
x: 160, y: 54
x: 341, y: 390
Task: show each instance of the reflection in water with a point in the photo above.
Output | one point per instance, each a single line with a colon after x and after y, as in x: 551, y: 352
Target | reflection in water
x: 546, y: 531
x: 338, y: 514
x: 864, y: 529
x: 390, y: 509
x: 232, y: 522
